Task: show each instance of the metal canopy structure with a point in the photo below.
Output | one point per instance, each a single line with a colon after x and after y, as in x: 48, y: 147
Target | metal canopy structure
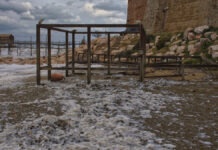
x: 59, y: 27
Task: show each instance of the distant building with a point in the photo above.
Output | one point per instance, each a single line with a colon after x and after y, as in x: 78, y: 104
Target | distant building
x: 6, y: 39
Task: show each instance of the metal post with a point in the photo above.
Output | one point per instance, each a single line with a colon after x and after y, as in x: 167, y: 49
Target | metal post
x: 73, y: 53
x: 66, y: 55
x: 49, y: 54
x: 109, y: 55
x: 38, y: 77
x: 89, y: 55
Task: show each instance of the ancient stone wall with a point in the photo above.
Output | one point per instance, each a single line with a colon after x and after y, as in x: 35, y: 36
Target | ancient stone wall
x: 173, y: 15
x: 136, y: 10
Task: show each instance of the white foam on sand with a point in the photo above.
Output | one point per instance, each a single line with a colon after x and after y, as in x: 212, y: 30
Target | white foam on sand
x: 12, y: 75
x: 104, y: 115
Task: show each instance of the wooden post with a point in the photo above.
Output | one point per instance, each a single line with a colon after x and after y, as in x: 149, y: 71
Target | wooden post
x: 9, y: 49
x: 49, y: 54
x: 31, y: 48
x: 89, y: 55
x: 109, y: 55
x: 143, y: 49
x: 66, y: 55
x: 182, y: 71
x: 73, y: 53
x: 38, y: 77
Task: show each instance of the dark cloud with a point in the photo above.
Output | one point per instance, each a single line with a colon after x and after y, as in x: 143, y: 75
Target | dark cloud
x: 20, y: 17
x: 110, y: 5
x: 16, y: 6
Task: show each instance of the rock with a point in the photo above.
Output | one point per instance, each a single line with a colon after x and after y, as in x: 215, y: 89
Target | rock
x: 151, y: 44
x: 191, y: 47
x: 215, y: 55
x: 201, y: 29
x: 198, y: 45
x: 198, y: 36
x: 184, y: 43
x: 157, y: 38
x: 207, y: 34
x: 203, y: 40
x: 191, y: 36
x: 213, y: 36
x: 135, y: 54
x: 193, y: 51
x: 193, y: 42
x: 116, y: 52
x: 149, y: 54
x: 177, y: 42
x: 182, y: 54
x: 159, y: 54
x: 186, y: 32
x: 181, y: 49
x: 173, y: 38
x: 57, y: 77
x: 173, y: 48
x: 130, y: 47
x: 170, y: 53
x: 213, y: 49
x: 167, y: 43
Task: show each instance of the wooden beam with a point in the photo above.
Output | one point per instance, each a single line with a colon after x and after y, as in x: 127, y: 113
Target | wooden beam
x: 88, y: 25
x: 89, y: 55
x: 49, y: 53
x: 66, y: 54
x: 38, y: 77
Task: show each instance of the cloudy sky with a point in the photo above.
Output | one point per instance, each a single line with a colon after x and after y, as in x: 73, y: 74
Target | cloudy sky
x: 19, y: 17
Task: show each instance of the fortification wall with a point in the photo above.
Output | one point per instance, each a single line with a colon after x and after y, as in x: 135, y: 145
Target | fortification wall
x: 173, y: 15
x: 136, y: 10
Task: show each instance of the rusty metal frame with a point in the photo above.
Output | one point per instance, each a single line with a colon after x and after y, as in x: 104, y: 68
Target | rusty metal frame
x: 58, y: 27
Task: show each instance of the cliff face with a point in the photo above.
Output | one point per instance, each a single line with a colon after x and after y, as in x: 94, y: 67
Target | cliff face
x: 173, y: 15
x: 136, y: 10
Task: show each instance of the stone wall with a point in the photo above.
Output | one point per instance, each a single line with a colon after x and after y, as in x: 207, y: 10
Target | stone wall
x: 173, y: 15
x: 136, y: 10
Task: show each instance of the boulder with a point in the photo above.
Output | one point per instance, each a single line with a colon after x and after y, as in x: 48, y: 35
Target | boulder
x: 157, y: 38
x: 186, y: 32
x: 203, y: 40
x: 191, y: 36
x: 170, y: 53
x: 193, y: 42
x: 197, y: 46
x: 207, y: 34
x: 177, y: 42
x: 191, y: 47
x: 193, y: 51
x: 130, y: 47
x: 215, y: 55
x: 173, y: 48
x: 173, y: 38
x: 213, y: 36
x: 213, y: 49
x: 57, y: 77
x: 181, y: 49
x: 201, y: 29
x: 198, y: 36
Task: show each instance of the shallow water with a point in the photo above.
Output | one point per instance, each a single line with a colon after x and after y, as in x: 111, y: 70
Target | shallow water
x: 108, y: 114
